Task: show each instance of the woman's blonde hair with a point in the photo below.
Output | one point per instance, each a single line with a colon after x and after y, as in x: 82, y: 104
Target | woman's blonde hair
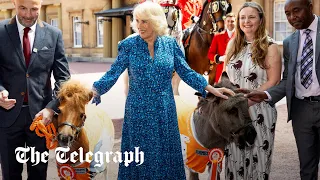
x: 153, y: 13
x: 260, y: 44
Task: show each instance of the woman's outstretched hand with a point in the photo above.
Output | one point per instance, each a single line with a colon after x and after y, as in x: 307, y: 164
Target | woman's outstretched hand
x: 219, y: 91
x: 96, y: 97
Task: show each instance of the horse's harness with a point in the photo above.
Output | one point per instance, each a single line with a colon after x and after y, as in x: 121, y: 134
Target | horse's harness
x: 214, y: 7
x: 175, y: 15
x: 76, y: 128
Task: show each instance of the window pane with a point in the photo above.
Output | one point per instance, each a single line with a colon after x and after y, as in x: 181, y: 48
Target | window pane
x: 99, y: 32
x: 281, y: 26
x: 77, y: 32
x: 54, y: 22
x: 289, y: 27
x: 277, y: 16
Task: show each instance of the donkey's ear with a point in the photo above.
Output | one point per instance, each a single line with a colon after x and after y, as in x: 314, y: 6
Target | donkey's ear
x: 198, y: 94
x: 224, y: 75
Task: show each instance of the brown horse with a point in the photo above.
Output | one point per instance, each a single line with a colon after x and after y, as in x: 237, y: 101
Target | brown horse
x: 211, y: 125
x: 211, y: 21
x: 82, y: 126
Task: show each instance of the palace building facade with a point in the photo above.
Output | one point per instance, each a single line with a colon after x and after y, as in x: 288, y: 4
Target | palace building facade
x: 94, y: 28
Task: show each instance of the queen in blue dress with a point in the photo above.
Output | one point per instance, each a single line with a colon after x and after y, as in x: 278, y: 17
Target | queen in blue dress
x: 150, y: 120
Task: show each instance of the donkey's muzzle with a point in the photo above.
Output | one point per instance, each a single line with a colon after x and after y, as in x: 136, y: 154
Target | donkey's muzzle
x: 64, y: 140
x: 250, y: 134
x: 248, y: 137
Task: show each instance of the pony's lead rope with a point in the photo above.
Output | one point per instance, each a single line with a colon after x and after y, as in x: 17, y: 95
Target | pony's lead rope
x: 49, y: 132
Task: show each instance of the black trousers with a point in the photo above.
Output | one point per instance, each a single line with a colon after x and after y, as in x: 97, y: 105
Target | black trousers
x: 306, y: 129
x: 19, y: 135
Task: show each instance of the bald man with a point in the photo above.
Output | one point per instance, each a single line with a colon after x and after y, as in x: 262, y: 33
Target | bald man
x: 32, y: 51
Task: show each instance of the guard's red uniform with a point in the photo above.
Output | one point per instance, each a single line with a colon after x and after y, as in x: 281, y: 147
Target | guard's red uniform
x: 189, y: 8
x: 218, y: 47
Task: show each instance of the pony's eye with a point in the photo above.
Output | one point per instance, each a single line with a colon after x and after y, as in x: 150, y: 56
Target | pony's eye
x: 234, y: 111
x: 82, y: 116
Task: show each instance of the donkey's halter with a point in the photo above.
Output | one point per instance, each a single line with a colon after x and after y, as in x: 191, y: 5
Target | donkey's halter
x: 214, y: 7
x: 236, y: 132
x: 76, y: 128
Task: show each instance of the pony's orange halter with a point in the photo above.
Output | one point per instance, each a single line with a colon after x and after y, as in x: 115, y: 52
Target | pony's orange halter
x: 48, y: 131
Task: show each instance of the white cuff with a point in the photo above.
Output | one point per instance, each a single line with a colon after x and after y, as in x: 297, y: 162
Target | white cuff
x: 269, y: 97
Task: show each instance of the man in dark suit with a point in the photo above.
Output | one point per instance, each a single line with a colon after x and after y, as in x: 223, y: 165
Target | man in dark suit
x: 30, y: 51
x: 300, y: 84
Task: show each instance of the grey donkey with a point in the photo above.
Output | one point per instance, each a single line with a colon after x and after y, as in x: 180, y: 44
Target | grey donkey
x: 214, y: 123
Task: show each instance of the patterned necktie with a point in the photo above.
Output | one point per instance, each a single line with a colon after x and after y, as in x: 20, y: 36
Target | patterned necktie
x: 26, y: 46
x: 307, y: 60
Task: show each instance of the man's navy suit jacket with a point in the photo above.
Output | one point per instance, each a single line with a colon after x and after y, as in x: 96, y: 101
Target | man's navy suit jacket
x: 47, y: 57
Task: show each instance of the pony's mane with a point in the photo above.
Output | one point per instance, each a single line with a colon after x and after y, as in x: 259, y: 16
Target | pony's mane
x: 74, y: 92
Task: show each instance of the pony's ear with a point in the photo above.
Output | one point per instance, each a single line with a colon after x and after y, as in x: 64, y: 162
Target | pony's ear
x: 90, y: 95
x: 61, y: 99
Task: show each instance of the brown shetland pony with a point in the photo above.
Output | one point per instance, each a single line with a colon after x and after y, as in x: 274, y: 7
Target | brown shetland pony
x: 211, y: 21
x: 84, y: 125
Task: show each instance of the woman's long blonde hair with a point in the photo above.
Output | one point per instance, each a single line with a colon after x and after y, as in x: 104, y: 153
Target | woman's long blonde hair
x: 260, y: 44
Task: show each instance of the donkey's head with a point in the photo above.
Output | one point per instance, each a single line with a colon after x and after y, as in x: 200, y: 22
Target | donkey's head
x: 229, y: 118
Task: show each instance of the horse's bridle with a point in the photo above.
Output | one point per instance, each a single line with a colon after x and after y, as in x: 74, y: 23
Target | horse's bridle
x: 76, y: 128
x: 214, y: 7
x: 175, y: 14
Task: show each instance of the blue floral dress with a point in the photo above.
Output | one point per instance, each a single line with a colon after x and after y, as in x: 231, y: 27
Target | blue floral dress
x: 150, y: 120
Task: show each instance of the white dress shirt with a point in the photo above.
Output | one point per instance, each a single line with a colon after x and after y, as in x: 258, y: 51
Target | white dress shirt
x: 314, y: 88
x: 31, y: 33
x: 230, y: 33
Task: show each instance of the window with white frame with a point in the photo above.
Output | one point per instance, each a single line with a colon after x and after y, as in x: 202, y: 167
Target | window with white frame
x: 54, y: 22
x: 282, y: 28
x: 77, y: 32
x: 99, y: 32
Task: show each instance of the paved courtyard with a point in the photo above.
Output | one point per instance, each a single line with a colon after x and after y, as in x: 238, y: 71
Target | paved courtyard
x: 285, y: 161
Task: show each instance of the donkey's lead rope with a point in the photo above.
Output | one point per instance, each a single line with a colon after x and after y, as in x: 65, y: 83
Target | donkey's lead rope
x: 49, y: 132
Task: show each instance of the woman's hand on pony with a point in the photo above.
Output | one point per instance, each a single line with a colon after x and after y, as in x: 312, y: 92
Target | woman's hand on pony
x: 96, y: 97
